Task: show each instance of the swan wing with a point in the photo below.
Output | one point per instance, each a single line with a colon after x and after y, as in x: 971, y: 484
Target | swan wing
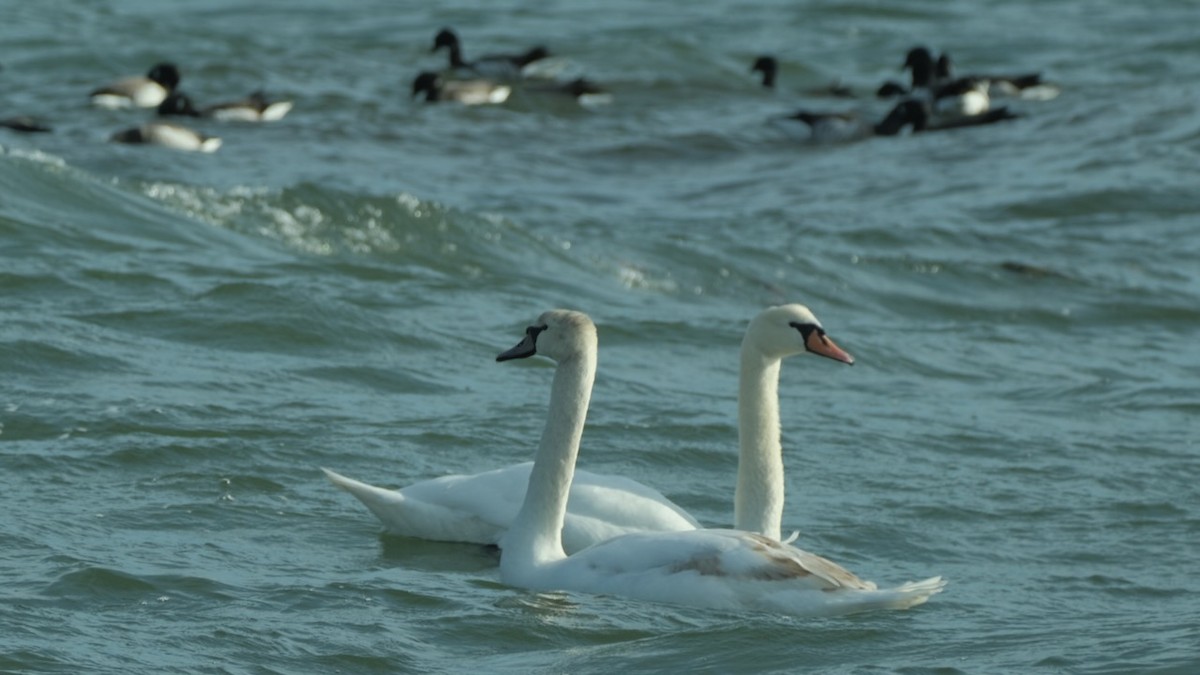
x: 720, y: 569
x: 727, y: 554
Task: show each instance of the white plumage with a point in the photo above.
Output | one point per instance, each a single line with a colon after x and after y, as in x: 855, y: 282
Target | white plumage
x: 724, y: 569
x: 479, y: 508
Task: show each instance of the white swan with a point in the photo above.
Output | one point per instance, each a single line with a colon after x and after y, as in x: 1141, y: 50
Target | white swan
x: 724, y: 569
x: 478, y: 508
x: 775, y: 334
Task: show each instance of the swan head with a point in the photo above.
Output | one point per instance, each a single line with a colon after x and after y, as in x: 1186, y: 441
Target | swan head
x: 558, y: 334
x: 782, y: 331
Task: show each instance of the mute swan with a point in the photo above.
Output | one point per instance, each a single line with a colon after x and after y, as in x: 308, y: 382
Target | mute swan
x: 723, y: 569
x: 478, y: 508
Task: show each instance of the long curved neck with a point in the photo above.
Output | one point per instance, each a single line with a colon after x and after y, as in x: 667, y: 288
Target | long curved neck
x: 535, y: 536
x: 758, y: 500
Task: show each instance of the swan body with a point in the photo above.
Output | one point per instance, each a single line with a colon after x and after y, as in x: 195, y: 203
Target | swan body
x: 720, y: 569
x: 479, y: 508
x: 138, y: 92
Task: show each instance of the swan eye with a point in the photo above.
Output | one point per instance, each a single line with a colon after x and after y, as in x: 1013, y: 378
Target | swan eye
x: 807, y: 329
x: 807, y: 332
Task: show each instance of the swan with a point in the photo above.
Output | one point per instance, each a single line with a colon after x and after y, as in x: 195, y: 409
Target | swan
x: 719, y: 569
x: 478, y: 508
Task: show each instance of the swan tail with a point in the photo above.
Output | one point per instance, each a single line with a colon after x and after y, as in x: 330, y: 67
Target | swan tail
x: 911, y: 594
x: 410, y: 515
x: 383, y: 503
x: 837, y: 602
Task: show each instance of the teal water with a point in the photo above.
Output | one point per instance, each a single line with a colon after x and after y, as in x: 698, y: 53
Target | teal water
x: 185, y: 339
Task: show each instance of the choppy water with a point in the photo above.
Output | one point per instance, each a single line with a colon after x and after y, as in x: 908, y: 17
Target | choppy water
x: 184, y: 339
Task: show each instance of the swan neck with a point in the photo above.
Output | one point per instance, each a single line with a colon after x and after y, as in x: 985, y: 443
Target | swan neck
x: 758, y: 499
x: 536, y: 535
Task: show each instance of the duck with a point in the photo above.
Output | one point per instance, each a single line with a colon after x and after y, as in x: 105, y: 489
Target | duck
x: 168, y: 135
x: 825, y: 127
x: 139, y: 92
x: 585, y: 92
x: 1028, y: 86
x: 922, y: 68
x: 724, y: 569
x: 920, y: 64
x: 769, y: 67
x: 24, y: 124
x: 963, y: 96
x: 937, y: 88
x: 915, y: 113
x: 500, y: 66
x: 468, y: 92
x: 253, y: 108
x: 911, y: 114
x: 480, y: 507
x: 891, y: 89
x: 842, y: 127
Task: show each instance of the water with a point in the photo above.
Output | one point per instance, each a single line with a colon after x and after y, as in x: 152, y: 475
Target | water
x: 185, y: 339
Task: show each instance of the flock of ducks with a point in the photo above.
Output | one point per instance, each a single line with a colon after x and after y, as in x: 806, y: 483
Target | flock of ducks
x: 562, y: 529
x: 937, y: 99
x: 486, y: 80
x: 159, y: 89
x: 493, y: 78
